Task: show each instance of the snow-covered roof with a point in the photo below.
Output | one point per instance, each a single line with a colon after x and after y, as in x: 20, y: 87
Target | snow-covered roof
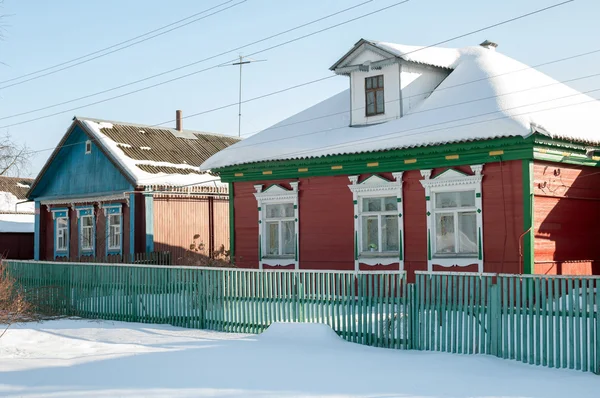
x: 13, y: 195
x: 153, y: 156
x: 435, y: 56
x: 487, y: 95
x: 16, y: 223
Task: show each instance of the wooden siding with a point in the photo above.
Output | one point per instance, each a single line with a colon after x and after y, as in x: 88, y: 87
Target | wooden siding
x: 178, y: 218
x: 18, y: 246
x: 73, y: 172
x: 327, y: 231
x: 566, y: 214
x: 47, y: 232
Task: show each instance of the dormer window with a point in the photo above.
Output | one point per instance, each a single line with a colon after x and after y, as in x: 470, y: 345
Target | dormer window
x: 374, y: 95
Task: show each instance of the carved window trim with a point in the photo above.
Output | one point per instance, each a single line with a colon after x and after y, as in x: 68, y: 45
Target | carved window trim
x: 276, y: 194
x: 452, y: 180
x: 376, y: 186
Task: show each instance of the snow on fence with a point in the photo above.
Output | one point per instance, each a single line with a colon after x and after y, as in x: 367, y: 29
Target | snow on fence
x: 537, y: 319
x: 367, y: 308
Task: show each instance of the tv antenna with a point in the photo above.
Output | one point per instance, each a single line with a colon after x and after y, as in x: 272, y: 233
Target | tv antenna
x: 242, y: 61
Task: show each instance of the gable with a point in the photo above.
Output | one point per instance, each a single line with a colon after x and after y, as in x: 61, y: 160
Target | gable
x: 71, y: 172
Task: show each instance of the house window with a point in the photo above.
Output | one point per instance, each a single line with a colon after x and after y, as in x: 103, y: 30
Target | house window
x: 455, y: 223
x: 88, y: 146
x: 278, y: 225
x: 374, y: 95
x: 86, y: 232
x: 279, y: 229
x: 114, y: 232
x: 85, y: 224
x: 62, y: 234
x: 454, y: 218
x: 378, y: 226
x: 60, y: 217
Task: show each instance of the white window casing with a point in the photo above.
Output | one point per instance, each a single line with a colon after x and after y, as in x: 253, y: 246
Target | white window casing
x: 62, y: 234
x: 277, y: 218
x: 87, y: 230
x: 454, y: 218
x: 114, y: 228
x: 382, y: 194
x: 88, y: 147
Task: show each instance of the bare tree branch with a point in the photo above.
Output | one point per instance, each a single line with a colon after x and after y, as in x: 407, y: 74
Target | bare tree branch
x: 14, y: 158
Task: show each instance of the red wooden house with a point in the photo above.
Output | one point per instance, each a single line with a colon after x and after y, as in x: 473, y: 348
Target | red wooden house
x: 433, y: 159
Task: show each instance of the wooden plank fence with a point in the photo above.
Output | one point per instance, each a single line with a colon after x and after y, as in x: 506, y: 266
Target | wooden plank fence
x: 537, y: 319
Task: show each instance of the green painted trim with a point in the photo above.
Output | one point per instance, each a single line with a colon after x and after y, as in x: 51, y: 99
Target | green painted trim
x: 476, y: 152
x: 296, y: 246
x: 259, y: 247
x: 478, y: 194
x: 401, y: 254
x: 428, y: 244
x: 480, y: 246
x: 232, y: 224
x: 528, y: 238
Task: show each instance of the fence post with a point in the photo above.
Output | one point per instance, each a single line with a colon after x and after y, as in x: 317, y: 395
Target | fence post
x: 409, y: 296
x: 494, y: 313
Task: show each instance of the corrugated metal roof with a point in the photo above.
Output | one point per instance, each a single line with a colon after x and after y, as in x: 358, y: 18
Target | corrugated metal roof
x: 16, y: 186
x: 162, y: 145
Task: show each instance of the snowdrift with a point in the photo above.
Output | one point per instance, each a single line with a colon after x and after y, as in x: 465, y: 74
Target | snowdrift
x: 300, y: 333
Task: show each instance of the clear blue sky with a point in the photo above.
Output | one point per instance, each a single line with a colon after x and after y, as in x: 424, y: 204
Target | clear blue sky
x: 41, y: 33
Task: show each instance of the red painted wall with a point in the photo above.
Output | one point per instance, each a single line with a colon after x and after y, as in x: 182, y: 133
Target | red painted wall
x: 327, y: 229
x: 47, y: 233
x: 17, y: 246
x: 567, y: 210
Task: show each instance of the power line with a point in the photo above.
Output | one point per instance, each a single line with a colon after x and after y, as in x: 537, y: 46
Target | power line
x: 254, y: 53
x: 416, y: 95
x: 420, y: 49
x: 394, y: 133
x: 310, y: 82
x: 182, y: 67
x: 408, y: 115
x: 117, y: 45
x: 352, y: 143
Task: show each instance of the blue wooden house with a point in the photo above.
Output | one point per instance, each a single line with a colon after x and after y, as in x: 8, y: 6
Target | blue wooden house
x: 113, y: 189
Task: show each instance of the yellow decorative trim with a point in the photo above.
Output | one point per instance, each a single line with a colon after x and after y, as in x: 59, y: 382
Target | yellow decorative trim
x: 566, y: 154
x: 239, y: 174
x: 337, y: 167
x: 303, y: 170
x: 451, y: 157
x: 496, y: 153
x: 542, y: 150
x: 409, y: 161
x: 373, y: 164
x: 267, y: 172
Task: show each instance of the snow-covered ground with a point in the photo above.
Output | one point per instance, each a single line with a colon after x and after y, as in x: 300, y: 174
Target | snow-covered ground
x: 81, y: 358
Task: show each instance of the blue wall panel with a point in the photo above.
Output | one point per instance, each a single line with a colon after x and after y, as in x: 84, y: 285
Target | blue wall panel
x: 75, y: 173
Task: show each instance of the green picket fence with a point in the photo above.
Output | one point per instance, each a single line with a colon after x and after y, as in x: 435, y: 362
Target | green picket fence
x: 367, y: 308
x: 537, y: 319
x: 543, y: 320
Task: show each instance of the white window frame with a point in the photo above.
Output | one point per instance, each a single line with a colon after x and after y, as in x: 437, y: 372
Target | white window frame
x: 83, y: 213
x: 65, y: 235
x: 376, y: 186
x: 275, y: 194
x: 88, y: 147
x: 113, y: 210
x: 453, y: 181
